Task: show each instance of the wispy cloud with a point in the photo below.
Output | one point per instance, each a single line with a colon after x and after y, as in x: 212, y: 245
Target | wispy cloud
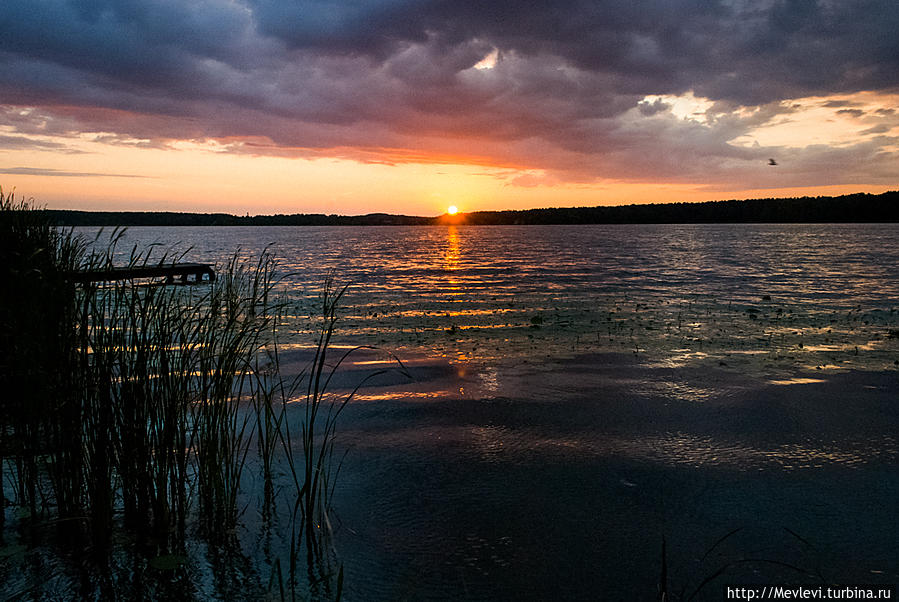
x: 26, y: 143
x: 42, y: 171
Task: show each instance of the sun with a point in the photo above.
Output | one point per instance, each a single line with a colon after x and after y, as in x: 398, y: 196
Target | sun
x: 452, y: 210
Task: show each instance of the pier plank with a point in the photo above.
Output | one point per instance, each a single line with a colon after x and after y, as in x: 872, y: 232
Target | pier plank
x: 176, y: 270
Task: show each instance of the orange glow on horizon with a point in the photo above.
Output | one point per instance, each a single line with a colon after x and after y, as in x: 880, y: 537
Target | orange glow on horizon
x: 241, y: 175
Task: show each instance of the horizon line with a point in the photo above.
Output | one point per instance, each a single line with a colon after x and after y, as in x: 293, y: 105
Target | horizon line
x: 461, y: 214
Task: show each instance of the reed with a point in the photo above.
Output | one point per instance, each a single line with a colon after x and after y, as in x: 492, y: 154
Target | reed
x: 38, y: 371
x: 315, y: 471
x: 729, y: 564
x: 137, y: 405
x: 272, y: 394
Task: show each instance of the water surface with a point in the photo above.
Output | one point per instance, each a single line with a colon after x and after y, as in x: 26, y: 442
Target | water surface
x: 814, y: 295
x: 578, y: 393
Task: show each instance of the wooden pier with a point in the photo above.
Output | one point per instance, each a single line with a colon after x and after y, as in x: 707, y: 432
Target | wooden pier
x: 182, y: 271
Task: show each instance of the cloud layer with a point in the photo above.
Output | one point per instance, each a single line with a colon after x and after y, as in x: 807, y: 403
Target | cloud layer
x: 578, y: 90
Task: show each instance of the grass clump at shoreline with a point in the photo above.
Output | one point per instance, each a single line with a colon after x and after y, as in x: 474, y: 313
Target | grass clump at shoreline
x: 130, y: 413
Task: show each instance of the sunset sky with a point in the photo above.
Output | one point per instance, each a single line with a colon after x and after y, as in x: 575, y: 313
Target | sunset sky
x: 404, y: 106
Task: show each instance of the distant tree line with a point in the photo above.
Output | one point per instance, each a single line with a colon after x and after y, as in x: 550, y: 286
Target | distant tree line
x: 65, y: 217
x: 850, y: 208
x: 858, y: 208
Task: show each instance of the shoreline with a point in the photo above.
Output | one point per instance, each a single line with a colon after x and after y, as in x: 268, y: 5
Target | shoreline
x: 846, y: 208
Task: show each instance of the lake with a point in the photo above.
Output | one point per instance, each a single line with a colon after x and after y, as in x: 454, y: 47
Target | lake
x: 576, y: 395
x: 681, y: 292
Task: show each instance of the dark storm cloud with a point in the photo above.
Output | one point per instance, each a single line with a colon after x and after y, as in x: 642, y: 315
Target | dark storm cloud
x: 745, y: 51
x: 303, y: 76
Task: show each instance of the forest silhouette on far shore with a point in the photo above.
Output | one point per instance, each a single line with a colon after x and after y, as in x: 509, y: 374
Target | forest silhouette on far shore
x: 850, y: 208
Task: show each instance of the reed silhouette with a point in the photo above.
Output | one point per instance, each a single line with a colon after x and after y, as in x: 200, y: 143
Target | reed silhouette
x: 131, y: 409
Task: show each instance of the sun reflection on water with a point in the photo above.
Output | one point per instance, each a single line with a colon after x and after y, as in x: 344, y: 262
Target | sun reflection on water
x: 451, y: 258
x: 743, y: 297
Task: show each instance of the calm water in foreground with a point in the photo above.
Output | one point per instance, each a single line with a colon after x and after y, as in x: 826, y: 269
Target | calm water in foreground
x: 577, y: 394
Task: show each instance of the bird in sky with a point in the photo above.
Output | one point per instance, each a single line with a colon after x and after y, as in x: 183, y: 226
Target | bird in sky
x: 772, y: 162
